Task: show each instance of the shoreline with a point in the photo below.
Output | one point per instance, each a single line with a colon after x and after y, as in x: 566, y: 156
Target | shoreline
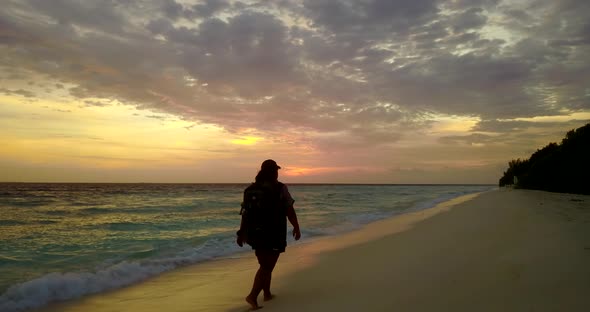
x: 66, y: 284
x: 401, y: 246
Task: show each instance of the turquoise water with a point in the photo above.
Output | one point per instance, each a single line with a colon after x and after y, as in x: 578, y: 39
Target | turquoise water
x: 62, y: 241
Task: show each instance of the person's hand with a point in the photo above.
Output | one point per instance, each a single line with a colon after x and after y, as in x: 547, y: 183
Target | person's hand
x: 240, y: 239
x: 296, y: 233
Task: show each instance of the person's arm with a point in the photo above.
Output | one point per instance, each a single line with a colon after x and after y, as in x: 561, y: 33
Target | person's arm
x: 241, y: 234
x: 292, y: 216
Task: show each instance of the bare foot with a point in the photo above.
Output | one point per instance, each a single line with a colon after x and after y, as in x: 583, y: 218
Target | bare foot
x: 253, y: 303
x: 268, y: 297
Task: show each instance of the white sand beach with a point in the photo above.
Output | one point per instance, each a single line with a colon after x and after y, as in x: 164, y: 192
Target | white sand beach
x: 504, y: 250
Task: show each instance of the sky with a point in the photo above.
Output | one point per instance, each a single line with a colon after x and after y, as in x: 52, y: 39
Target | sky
x: 339, y: 91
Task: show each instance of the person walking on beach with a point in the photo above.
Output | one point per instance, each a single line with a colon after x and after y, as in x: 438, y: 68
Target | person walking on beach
x: 265, y: 209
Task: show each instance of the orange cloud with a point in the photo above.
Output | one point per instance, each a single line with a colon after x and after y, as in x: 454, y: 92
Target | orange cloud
x: 313, y: 171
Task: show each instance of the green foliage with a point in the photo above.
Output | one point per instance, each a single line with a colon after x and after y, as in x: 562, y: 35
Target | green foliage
x: 556, y: 167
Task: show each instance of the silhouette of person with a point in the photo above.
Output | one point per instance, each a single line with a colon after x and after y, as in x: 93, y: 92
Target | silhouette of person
x: 265, y: 209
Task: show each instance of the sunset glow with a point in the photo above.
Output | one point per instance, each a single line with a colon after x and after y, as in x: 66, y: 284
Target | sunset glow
x: 246, y: 140
x: 203, y: 91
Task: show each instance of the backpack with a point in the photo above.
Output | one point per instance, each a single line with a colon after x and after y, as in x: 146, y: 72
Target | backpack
x: 265, y: 214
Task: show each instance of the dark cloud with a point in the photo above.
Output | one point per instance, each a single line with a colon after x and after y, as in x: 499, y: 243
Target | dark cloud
x: 208, y: 8
x: 369, y: 20
x: 172, y: 9
x: 21, y: 92
x: 462, y: 4
x: 95, y: 103
x: 518, y: 15
x: 468, y: 20
x: 249, y: 55
x: 8, y: 35
x: 94, y: 15
x: 157, y: 117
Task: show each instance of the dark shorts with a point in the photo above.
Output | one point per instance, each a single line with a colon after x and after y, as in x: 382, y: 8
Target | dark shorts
x: 269, y: 246
x: 272, y: 240
x: 268, y: 243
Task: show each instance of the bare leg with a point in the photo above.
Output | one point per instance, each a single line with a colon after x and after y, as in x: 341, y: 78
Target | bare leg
x: 252, y: 298
x: 271, y: 261
x: 267, y: 261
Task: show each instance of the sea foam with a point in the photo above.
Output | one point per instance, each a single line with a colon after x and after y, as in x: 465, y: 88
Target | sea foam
x: 62, y: 286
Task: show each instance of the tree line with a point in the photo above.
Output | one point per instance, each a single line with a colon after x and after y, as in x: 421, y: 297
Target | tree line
x: 563, y: 167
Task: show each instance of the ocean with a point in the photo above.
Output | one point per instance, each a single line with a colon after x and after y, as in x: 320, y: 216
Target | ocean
x: 61, y: 241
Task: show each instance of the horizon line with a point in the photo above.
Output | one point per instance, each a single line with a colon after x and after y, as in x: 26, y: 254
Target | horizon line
x: 293, y: 183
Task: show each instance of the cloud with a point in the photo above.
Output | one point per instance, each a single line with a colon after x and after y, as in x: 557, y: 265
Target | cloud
x: 352, y: 17
x: 162, y: 118
x: 172, y: 9
x: 21, y: 92
x: 514, y: 126
x: 471, y: 139
x: 95, y: 15
x: 249, y: 55
x: 369, y: 71
x: 514, y: 138
x: 208, y: 8
x: 95, y: 103
x: 471, y: 19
